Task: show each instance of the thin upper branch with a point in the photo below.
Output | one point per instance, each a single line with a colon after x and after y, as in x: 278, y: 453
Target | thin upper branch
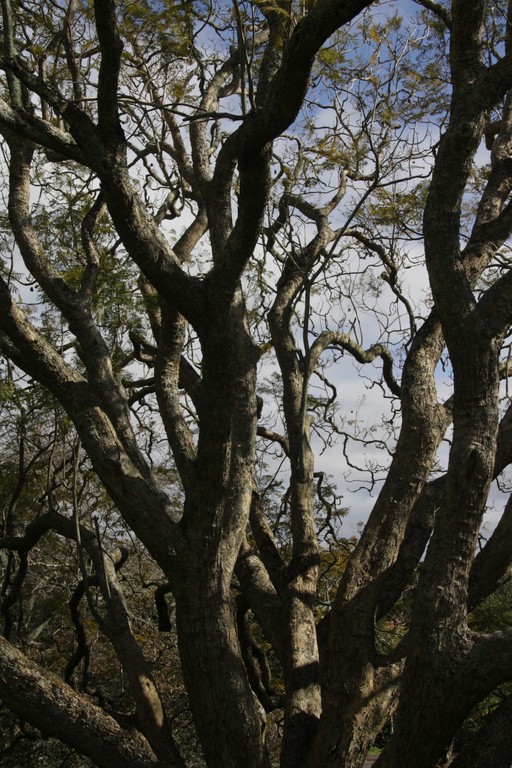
x: 344, y: 341
x: 108, y: 77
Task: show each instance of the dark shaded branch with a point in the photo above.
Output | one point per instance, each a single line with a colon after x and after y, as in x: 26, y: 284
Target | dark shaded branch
x: 343, y: 341
x: 167, y: 380
x: 262, y: 597
x: 82, y: 651
x: 491, y: 745
x: 108, y: 78
x: 255, y: 660
x: 40, y: 697
x: 264, y: 538
x: 115, y: 623
x: 89, y: 223
x: 164, y: 620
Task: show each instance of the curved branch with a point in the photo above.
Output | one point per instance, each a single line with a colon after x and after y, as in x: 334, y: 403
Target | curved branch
x: 343, y: 341
x: 493, y: 564
x: 391, y: 273
x: 151, y: 716
x: 491, y: 745
x: 274, y: 437
x: 489, y: 663
x: 261, y: 595
x: 438, y: 10
x: 495, y: 307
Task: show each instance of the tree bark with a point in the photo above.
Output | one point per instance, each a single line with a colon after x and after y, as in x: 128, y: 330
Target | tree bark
x: 491, y: 746
x: 42, y: 699
x: 228, y: 717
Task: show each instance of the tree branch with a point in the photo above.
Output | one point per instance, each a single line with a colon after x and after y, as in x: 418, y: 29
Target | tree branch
x: 151, y: 717
x: 14, y: 124
x: 343, y: 341
x: 167, y: 379
x: 438, y: 10
x: 40, y: 697
x: 133, y: 488
x: 108, y: 78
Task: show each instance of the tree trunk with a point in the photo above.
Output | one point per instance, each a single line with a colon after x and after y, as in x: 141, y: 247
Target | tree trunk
x: 226, y: 712
x: 436, y: 695
x: 360, y: 688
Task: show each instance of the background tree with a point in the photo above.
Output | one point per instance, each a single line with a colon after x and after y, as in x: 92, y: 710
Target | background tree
x: 212, y: 216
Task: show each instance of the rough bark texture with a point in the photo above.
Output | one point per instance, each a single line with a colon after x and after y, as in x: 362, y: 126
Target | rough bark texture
x: 216, y: 538
x: 44, y: 700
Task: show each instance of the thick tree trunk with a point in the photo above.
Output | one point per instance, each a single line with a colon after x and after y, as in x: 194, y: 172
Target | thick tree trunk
x: 226, y: 712
x: 351, y: 734
x: 436, y: 695
x: 302, y: 672
x: 429, y: 719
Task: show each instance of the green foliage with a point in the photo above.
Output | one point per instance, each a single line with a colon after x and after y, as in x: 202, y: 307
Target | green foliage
x: 349, y: 186
x: 495, y: 612
x: 165, y: 24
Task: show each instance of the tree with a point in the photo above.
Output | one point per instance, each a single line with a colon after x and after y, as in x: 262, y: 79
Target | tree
x: 209, y: 210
